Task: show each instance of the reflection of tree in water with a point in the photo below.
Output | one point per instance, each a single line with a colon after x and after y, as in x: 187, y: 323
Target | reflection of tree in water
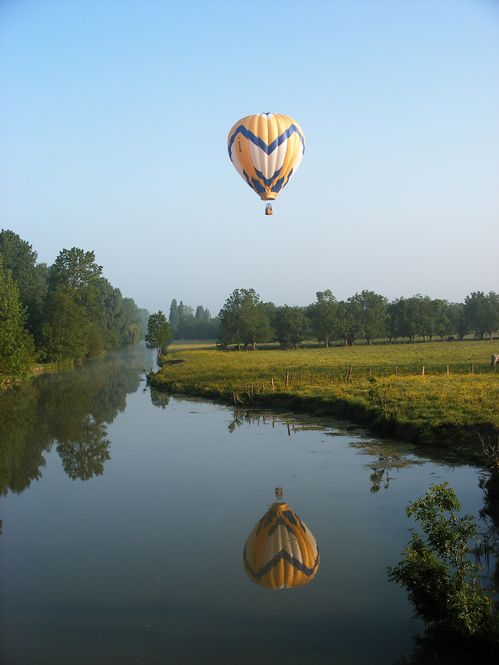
x: 23, y: 439
x: 382, y: 469
x: 85, y: 457
x: 71, y: 408
x: 490, y: 511
x: 159, y: 398
x: 390, y: 458
x: 437, y: 646
x: 247, y: 417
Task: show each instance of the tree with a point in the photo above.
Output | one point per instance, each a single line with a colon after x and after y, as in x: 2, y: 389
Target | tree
x: 132, y: 331
x: 443, y: 318
x: 370, y: 311
x: 408, y: 316
x: 482, y: 312
x: 66, y: 328
x: 187, y: 325
x: 256, y: 326
x: 395, y: 320
x: 291, y: 326
x: 174, y: 318
x: 459, y: 325
x: 435, y: 570
x: 30, y: 277
x: 133, y: 334
x: 77, y: 271
x: 323, y: 315
x: 348, y: 321
x: 184, y: 312
x: 243, y: 319
x: 427, y: 317
x: 16, y: 345
x: 158, y: 332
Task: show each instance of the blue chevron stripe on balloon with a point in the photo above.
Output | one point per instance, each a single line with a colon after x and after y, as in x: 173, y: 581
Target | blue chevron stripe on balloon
x: 282, y: 556
x: 280, y: 184
x: 267, y: 181
x: 247, y: 179
x: 268, y: 149
x: 259, y: 189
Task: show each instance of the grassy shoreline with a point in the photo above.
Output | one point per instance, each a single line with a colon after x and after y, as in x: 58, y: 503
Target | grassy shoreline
x: 452, y: 403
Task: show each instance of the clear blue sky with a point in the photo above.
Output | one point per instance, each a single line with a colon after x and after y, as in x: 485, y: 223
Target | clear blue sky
x: 113, y: 127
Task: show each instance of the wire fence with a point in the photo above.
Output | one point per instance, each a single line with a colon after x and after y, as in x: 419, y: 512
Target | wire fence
x: 351, y: 372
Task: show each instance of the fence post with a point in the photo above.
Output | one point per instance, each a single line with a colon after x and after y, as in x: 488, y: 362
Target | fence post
x: 472, y: 369
x: 448, y: 370
x: 422, y: 371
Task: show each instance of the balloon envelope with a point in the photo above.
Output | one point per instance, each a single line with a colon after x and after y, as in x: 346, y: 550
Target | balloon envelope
x: 281, y: 552
x: 266, y: 150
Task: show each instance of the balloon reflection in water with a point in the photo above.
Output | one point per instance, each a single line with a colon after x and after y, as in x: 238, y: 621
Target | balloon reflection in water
x: 281, y: 552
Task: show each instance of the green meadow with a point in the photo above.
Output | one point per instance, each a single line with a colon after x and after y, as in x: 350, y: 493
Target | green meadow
x: 441, y: 392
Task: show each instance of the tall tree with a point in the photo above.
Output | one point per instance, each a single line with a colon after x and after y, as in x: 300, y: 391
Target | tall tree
x: 77, y: 272
x: 459, y: 325
x: 30, y: 277
x: 443, y: 318
x: 395, y: 320
x: 323, y: 316
x: 371, y: 312
x: 174, y: 318
x: 409, y: 312
x: 82, y: 312
x: 291, y: 326
x: 65, y: 330
x: 16, y: 345
x: 349, y: 322
x: 243, y: 319
x: 427, y: 317
x: 482, y: 312
x: 158, y: 332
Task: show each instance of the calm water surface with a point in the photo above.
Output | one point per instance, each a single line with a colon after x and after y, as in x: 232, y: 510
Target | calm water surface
x: 125, y: 514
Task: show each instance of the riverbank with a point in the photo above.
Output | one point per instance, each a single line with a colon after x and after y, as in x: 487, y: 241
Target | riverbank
x: 443, y: 393
x: 8, y: 382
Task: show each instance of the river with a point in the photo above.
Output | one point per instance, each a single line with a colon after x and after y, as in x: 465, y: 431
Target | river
x: 125, y: 514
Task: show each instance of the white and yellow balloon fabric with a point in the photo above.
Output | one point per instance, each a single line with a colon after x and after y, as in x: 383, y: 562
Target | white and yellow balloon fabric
x: 266, y: 150
x: 281, y: 552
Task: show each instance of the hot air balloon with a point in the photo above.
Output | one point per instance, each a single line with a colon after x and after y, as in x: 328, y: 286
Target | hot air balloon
x: 281, y: 552
x: 266, y: 150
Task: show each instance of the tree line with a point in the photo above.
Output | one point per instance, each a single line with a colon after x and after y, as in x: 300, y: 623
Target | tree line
x: 246, y: 320
x: 182, y: 323
x: 60, y: 313
x: 185, y: 323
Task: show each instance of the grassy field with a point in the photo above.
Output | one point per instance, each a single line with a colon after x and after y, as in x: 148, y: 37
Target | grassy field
x: 453, y: 400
